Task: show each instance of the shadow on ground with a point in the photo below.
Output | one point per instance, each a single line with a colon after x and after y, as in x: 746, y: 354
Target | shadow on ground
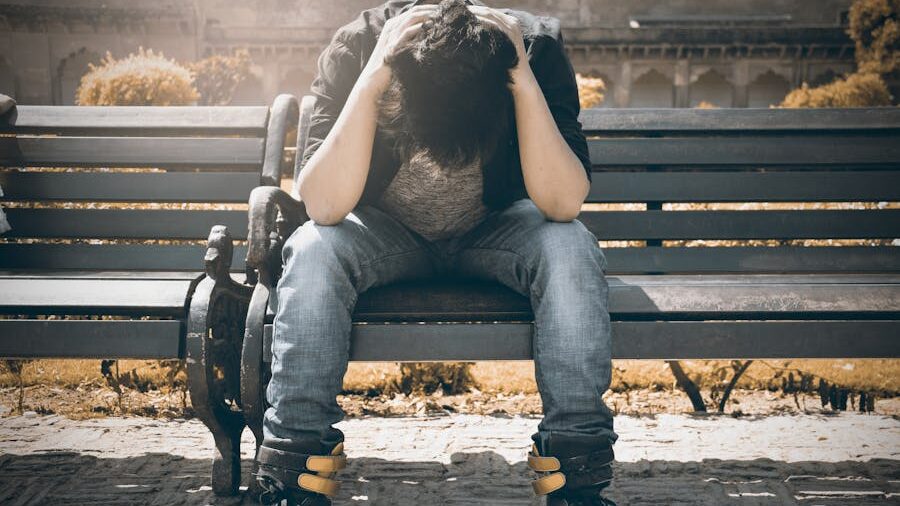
x: 471, y: 478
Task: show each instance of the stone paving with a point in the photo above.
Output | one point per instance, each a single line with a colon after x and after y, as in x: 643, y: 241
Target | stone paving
x: 468, y: 459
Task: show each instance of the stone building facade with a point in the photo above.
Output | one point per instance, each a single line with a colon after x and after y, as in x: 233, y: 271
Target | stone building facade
x: 678, y: 53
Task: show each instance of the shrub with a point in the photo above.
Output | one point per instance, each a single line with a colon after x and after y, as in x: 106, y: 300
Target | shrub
x: 590, y: 91
x: 217, y: 77
x: 142, y: 78
x: 875, y: 28
x: 857, y: 90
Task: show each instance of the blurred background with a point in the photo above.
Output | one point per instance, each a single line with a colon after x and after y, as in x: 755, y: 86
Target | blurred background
x: 642, y: 53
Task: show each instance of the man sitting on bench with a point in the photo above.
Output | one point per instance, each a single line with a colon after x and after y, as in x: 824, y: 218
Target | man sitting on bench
x: 444, y: 141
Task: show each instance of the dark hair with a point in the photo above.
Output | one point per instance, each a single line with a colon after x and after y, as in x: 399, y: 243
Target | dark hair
x: 449, y: 95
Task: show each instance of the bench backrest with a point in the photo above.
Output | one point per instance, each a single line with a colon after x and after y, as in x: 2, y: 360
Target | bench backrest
x: 697, y: 180
x: 741, y: 190
x: 132, y: 188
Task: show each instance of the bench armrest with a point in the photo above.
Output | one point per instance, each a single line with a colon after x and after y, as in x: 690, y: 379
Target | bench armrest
x: 274, y: 215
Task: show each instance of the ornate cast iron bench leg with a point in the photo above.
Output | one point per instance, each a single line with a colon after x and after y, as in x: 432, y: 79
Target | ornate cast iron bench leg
x: 274, y: 215
x: 214, y: 339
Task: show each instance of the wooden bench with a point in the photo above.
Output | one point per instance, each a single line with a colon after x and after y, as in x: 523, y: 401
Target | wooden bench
x: 80, y: 246
x: 670, y: 299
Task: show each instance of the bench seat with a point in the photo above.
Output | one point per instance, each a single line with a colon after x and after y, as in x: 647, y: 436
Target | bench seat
x: 654, y: 317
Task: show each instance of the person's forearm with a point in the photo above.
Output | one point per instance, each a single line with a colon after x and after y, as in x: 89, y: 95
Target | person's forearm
x: 554, y: 176
x: 333, y: 180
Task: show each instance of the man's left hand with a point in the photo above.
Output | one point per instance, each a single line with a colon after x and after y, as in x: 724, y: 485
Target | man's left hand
x: 510, y: 26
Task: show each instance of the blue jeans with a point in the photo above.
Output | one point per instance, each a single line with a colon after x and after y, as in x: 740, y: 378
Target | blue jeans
x: 559, y: 266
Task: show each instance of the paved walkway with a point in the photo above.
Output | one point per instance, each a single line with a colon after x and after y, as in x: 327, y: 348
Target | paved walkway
x: 467, y: 459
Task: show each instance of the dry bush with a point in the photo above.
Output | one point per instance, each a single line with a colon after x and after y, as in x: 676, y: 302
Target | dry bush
x: 450, y: 378
x: 590, y: 91
x: 142, y: 78
x: 217, y: 77
x: 875, y: 28
x: 857, y: 90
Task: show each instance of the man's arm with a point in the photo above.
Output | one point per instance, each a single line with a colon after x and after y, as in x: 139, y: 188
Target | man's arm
x: 555, y: 177
x: 334, y: 177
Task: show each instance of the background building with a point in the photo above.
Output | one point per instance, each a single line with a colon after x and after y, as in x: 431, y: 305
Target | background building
x: 677, y: 53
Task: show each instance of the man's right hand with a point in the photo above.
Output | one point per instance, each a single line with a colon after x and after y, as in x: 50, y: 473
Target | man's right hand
x: 397, y: 31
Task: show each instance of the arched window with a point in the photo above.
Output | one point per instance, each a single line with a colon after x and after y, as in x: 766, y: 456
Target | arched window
x: 69, y: 74
x: 711, y: 89
x: 768, y: 89
x: 7, y: 80
x: 249, y: 92
x: 652, y: 89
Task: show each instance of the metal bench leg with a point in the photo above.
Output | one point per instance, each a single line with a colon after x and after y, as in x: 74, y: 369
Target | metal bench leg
x: 214, y: 340
x: 255, y: 372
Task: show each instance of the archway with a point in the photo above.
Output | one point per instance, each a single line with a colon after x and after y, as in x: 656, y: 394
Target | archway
x: 652, y: 89
x: 768, y: 89
x: 7, y: 80
x: 711, y: 89
x: 249, y: 92
x: 69, y: 73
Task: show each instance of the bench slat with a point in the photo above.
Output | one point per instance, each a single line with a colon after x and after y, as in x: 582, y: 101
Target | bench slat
x: 235, y: 153
x: 137, y: 297
x: 123, y: 224
x: 651, y: 297
x: 633, y: 340
x: 806, y: 224
x: 753, y: 259
x: 738, y: 120
x: 805, y: 186
x: 137, y: 120
x: 621, y: 260
x: 128, y: 186
x: 159, y: 339
x: 105, y: 257
x: 746, y: 150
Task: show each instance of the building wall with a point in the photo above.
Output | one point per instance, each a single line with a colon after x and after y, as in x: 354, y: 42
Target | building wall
x: 650, y: 53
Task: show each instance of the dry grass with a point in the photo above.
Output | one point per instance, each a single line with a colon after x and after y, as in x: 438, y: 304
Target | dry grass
x: 507, y: 377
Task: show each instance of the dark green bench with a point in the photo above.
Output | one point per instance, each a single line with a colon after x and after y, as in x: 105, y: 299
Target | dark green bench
x: 143, y: 266
x: 669, y: 299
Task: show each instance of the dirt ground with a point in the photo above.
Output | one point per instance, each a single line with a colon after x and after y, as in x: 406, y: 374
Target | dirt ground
x: 459, y: 459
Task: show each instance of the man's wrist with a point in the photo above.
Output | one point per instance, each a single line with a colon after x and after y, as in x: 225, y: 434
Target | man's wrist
x: 524, y: 81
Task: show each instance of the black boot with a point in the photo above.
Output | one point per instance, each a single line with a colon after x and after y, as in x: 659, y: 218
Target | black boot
x: 297, y: 474
x: 573, y: 470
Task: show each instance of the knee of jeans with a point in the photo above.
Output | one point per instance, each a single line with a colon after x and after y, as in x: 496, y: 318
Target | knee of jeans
x: 311, y: 244
x: 569, y: 245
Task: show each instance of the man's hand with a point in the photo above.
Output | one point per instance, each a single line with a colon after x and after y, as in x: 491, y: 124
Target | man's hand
x: 396, y: 32
x: 522, y: 75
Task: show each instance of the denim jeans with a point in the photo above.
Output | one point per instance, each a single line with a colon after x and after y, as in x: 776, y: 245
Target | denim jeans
x: 559, y: 266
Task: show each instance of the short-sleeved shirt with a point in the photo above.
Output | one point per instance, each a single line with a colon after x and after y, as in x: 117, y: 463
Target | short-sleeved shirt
x: 343, y: 60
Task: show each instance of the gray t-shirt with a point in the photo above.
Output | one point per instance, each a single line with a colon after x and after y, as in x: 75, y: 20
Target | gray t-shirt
x: 435, y: 202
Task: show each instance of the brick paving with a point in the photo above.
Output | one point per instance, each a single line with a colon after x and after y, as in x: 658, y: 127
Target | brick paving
x: 468, y: 459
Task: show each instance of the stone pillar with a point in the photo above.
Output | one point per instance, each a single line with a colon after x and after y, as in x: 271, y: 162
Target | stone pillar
x: 682, y: 83
x: 623, y: 85
x: 741, y: 79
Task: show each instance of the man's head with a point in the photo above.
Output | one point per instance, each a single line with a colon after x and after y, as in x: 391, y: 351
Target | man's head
x: 450, y: 94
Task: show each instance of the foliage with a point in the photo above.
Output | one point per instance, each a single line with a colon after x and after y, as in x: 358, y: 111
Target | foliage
x: 590, y: 91
x: 142, y: 78
x: 452, y: 378
x: 875, y: 28
x: 838, y: 397
x: 217, y: 77
x: 16, y: 367
x: 857, y: 90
